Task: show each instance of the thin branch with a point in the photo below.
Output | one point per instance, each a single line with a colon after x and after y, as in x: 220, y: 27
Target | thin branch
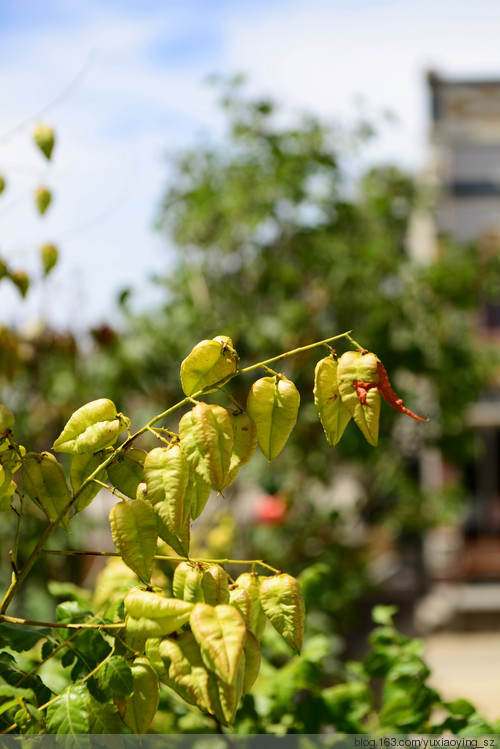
x: 59, y: 625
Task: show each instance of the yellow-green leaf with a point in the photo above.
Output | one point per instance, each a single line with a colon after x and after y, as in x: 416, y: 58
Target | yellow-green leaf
x: 135, y: 535
x: 91, y: 428
x: 206, y: 434
x: 283, y: 604
x: 357, y: 378
x: 45, y: 482
x: 332, y: 411
x: 220, y: 632
x: 209, y: 362
x: 273, y: 404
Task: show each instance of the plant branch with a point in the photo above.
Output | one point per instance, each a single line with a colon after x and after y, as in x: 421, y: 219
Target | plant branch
x: 23, y: 572
x: 59, y: 625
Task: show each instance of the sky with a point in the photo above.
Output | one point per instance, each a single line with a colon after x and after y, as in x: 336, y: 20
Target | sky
x: 123, y: 82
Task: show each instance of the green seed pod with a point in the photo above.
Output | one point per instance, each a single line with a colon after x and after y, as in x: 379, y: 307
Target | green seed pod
x: 10, y: 455
x: 220, y: 632
x: 209, y: 362
x: 252, y: 661
x: 6, y: 494
x: 43, y: 135
x: 93, y: 427
x: 141, y: 706
x: 185, y: 670
x: 49, y: 256
x: 207, y: 441
x: 273, y: 404
x: 127, y: 472
x: 44, y: 481
x: 43, y: 198
x: 215, y: 585
x: 357, y: 378
x: 332, y: 411
x: 21, y: 281
x: 7, y: 420
x: 186, y: 583
x: 82, y: 466
x: 2, y: 183
x: 152, y: 653
x: 244, y: 444
x: 135, y: 535
x: 154, y: 605
x: 166, y: 473
x: 225, y: 698
x: 246, y: 598
x: 283, y: 604
x: 197, y: 493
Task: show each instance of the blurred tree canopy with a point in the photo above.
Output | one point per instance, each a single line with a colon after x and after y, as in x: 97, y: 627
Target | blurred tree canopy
x: 276, y: 247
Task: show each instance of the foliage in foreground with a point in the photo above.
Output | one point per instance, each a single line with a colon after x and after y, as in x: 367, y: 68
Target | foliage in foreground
x: 196, y: 630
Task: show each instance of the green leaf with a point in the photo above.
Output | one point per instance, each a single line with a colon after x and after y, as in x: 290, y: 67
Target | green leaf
x: 20, y: 639
x: 384, y: 615
x: 91, y: 428
x: 103, y: 718
x: 220, y: 632
x: 273, y: 404
x: 115, y: 677
x: 69, y: 713
x: 12, y: 674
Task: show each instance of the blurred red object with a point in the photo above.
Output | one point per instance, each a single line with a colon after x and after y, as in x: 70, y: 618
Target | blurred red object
x: 270, y: 509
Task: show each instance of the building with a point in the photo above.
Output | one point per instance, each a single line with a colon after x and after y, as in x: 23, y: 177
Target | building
x: 465, y: 166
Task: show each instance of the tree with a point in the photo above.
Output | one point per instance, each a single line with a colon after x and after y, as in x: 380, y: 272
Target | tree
x: 274, y: 246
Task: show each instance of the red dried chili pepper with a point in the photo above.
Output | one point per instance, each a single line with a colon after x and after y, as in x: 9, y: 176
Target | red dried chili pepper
x: 388, y: 393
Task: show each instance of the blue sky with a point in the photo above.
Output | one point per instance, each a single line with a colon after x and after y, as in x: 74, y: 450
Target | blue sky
x: 141, y: 95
